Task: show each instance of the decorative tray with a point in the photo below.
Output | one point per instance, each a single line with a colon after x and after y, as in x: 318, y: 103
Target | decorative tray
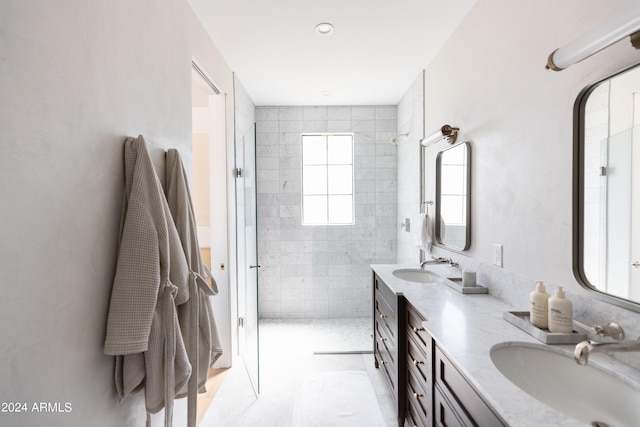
x: 521, y: 320
x: 456, y: 283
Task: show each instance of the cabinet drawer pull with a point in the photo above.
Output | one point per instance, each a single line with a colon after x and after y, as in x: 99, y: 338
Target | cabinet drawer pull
x: 418, y: 395
x: 383, y: 316
x: 417, y: 329
x: 417, y: 362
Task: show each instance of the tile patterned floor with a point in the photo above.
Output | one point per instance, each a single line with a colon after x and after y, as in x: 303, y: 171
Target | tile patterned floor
x: 287, y: 353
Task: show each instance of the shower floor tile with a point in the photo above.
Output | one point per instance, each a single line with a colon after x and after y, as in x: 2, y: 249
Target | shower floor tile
x: 318, y: 335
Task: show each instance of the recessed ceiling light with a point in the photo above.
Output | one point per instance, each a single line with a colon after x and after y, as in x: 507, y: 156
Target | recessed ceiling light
x: 326, y: 93
x: 324, y: 29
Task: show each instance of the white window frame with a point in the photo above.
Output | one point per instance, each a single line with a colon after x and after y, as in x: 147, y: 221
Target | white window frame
x: 328, y: 193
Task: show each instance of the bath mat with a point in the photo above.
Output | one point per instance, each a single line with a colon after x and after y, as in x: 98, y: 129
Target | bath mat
x: 336, y: 399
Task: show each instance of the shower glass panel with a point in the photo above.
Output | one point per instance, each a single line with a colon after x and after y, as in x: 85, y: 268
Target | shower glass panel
x: 618, y: 219
x: 248, y: 337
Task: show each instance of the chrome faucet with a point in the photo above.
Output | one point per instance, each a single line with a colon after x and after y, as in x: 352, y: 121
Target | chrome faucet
x: 439, y: 260
x: 584, y: 348
x: 613, y: 330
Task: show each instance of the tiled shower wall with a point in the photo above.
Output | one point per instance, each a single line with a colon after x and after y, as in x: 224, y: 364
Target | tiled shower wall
x: 321, y: 272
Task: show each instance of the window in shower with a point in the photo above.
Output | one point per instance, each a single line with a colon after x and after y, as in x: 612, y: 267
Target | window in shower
x: 327, y: 179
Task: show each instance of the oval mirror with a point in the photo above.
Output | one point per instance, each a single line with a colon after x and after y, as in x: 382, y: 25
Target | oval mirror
x: 453, y: 197
x: 607, y: 187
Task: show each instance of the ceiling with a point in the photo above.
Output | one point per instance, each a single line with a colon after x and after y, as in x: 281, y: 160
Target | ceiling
x: 375, y: 53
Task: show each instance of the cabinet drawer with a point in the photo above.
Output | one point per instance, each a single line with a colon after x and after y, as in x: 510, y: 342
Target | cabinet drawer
x: 383, y: 290
x: 456, y: 387
x: 415, y: 328
x: 386, y: 316
x: 412, y: 419
x: 388, y: 370
x: 419, y: 363
x: 384, y: 345
x: 419, y: 399
x: 445, y: 415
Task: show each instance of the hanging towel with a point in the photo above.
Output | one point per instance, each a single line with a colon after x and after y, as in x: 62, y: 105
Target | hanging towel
x: 425, y: 240
x: 196, y: 316
x: 151, y: 280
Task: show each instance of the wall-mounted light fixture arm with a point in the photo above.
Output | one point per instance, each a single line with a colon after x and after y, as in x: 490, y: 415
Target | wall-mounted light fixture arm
x: 624, y: 24
x: 395, y: 139
x: 449, y: 133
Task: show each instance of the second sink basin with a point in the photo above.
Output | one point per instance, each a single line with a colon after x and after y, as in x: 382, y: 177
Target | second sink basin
x: 583, y: 392
x: 417, y: 275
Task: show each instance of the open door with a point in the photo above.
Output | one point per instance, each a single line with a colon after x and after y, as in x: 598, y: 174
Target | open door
x: 248, y: 267
x: 209, y: 185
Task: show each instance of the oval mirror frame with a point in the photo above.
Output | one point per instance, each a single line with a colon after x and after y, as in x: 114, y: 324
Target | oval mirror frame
x: 578, y: 197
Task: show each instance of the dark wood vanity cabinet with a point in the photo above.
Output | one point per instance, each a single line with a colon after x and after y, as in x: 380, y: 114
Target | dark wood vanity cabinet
x: 419, y: 368
x: 389, y: 345
x: 427, y: 387
x: 456, y: 403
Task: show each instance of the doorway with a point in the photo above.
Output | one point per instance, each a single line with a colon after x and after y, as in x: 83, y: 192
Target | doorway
x: 210, y: 194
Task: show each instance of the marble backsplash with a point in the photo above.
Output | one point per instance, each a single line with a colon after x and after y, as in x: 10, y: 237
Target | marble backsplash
x: 514, y: 289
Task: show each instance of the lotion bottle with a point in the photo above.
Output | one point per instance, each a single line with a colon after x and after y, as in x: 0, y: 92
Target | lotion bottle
x: 539, y: 306
x: 560, y: 313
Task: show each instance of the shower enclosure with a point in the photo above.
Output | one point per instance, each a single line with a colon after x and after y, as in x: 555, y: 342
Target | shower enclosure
x: 318, y: 276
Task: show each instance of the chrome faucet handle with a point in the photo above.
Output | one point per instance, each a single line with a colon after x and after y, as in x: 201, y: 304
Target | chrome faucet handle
x: 583, y: 349
x: 581, y: 352
x: 612, y: 329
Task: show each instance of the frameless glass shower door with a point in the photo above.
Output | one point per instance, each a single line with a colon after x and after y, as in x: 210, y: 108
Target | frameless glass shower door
x: 248, y: 266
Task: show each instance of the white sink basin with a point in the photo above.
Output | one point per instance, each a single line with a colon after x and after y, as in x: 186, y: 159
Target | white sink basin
x: 583, y: 392
x: 417, y: 275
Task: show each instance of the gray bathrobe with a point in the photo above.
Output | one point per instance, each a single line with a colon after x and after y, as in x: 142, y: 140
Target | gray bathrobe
x: 151, y: 281
x: 196, y: 317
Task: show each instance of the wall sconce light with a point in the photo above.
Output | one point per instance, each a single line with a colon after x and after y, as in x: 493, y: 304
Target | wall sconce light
x: 593, y: 41
x: 446, y: 132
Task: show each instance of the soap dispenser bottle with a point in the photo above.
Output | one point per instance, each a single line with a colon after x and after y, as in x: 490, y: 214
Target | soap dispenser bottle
x: 539, y: 306
x: 560, y: 313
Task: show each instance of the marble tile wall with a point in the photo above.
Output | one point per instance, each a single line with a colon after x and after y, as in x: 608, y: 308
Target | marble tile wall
x: 323, y: 272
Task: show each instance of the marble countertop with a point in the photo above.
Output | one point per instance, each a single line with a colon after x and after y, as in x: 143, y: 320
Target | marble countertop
x: 466, y: 327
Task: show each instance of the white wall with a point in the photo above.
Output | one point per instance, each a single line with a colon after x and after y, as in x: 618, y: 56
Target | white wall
x: 490, y: 80
x: 76, y: 78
